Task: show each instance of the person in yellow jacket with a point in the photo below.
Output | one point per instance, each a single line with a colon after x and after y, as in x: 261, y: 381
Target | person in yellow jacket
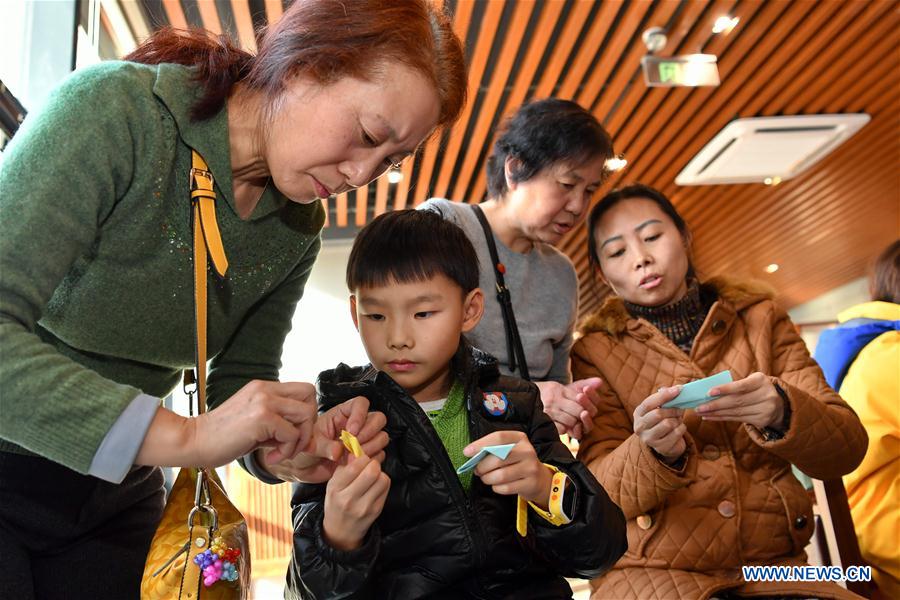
x: 861, y: 359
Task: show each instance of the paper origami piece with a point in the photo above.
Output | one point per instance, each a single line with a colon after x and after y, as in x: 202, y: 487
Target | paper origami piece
x: 695, y: 393
x: 501, y: 451
x: 351, y: 443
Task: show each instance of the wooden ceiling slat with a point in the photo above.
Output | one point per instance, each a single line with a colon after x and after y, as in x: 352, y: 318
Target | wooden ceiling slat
x: 881, y: 89
x: 244, y: 23
x: 690, y: 14
x: 625, y: 32
x: 827, y: 56
x: 515, y: 36
x: 462, y: 18
x: 402, y: 192
x: 833, y: 24
x: 563, y: 47
x: 654, y: 144
x: 362, y: 205
x: 175, y: 14
x: 340, y: 206
x: 811, y: 99
x: 486, y: 35
x: 861, y: 77
x: 536, y: 48
x: 382, y: 188
x: 587, y: 52
x: 274, y: 11
x: 629, y: 69
x: 136, y: 20
x: 210, y: 16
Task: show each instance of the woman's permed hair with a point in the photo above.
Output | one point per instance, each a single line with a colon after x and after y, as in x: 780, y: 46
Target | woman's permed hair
x: 541, y: 134
x: 635, y: 190
x: 326, y: 40
x: 409, y: 246
x: 885, y: 283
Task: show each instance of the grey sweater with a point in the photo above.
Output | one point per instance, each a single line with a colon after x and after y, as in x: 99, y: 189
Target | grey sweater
x: 544, y: 289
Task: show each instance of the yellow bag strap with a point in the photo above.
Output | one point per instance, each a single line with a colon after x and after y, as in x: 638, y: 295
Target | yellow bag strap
x: 208, y: 248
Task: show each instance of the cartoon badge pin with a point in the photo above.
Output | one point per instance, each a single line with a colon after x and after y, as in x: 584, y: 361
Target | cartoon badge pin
x: 495, y: 403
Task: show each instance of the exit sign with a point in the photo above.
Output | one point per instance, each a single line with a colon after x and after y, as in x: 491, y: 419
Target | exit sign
x: 691, y: 70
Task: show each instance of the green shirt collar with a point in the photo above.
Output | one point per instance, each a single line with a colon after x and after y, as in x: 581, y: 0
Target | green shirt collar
x: 178, y: 92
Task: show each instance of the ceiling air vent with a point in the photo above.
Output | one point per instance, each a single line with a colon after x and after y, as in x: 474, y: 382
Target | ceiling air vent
x: 765, y: 148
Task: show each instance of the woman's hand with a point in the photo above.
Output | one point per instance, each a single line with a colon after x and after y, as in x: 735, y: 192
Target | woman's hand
x: 752, y: 400
x: 572, y: 407
x: 522, y: 473
x: 352, y: 415
x: 262, y: 413
x: 660, y: 428
x: 354, y: 497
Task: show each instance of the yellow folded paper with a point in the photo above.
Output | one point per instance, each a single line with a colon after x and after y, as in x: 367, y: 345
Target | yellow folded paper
x: 351, y: 443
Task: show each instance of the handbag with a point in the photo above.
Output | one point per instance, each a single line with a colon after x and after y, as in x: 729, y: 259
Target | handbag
x: 200, y: 549
x: 514, y: 349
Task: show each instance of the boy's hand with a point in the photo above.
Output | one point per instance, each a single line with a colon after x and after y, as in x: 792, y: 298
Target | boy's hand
x: 354, y: 498
x: 318, y: 466
x: 522, y: 473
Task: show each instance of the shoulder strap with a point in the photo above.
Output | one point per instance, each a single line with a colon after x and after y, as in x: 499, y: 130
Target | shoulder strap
x: 514, y: 349
x: 208, y: 248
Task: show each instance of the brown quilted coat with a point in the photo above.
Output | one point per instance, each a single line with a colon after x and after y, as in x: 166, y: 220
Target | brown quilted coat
x: 735, y: 501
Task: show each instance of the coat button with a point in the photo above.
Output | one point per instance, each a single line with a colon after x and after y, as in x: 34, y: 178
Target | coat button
x: 718, y: 326
x: 644, y: 522
x: 800, y: 522
x: 726, y: 508
x: 710, y: 452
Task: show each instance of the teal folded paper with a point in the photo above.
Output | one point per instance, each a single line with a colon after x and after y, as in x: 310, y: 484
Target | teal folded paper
x: 501, y: 451
x: 695, y: 393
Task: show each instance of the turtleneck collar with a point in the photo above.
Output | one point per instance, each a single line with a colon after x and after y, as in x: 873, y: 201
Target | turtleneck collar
x: 679, y: 321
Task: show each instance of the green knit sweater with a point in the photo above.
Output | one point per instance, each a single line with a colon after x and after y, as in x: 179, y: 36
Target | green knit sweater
x: 96, y: 298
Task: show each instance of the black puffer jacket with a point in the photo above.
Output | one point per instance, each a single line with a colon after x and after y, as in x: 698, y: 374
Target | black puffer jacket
x: 433, y: 539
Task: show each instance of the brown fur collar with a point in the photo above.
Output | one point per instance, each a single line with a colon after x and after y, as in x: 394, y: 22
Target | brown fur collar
x: 611, y: 317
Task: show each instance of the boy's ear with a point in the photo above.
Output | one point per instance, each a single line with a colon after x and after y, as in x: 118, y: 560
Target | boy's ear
x: 473, y: 309
x: 353, y: 311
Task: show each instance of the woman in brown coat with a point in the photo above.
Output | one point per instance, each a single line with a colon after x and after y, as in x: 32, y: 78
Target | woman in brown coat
x: 710, y: 490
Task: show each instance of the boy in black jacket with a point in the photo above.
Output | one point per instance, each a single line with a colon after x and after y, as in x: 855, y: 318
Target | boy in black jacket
x: 405, y: 524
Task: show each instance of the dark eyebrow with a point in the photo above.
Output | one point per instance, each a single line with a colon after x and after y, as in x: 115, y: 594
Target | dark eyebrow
x: 647, y: 222
x: 638, y: 228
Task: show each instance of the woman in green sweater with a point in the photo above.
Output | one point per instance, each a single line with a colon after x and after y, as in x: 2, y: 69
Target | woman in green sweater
x: 96, y: 294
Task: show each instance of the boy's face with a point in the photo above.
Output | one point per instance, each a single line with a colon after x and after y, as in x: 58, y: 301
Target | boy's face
x: 411, y: 330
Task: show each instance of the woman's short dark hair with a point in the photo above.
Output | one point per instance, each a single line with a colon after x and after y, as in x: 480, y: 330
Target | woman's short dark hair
x: 326, y: 40
x: 541, y: 134
x: 885, y: 283
x: 635, y: 190
x: 408, y: 246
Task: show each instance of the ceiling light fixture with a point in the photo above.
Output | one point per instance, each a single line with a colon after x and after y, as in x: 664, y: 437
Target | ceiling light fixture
x: 772, y: 268
x: 616, y: 163
x: 725, y: 24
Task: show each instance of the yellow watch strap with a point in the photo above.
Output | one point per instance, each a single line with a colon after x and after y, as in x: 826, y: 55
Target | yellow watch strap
x: 555, y: 515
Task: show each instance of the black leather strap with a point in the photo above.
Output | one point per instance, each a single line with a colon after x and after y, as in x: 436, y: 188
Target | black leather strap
x: 516, y: 354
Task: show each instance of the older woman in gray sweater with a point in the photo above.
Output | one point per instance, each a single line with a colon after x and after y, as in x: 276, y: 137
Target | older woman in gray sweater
x: 546, y: 164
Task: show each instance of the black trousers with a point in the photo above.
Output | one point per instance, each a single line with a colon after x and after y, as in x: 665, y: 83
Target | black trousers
x: 69, y: 536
